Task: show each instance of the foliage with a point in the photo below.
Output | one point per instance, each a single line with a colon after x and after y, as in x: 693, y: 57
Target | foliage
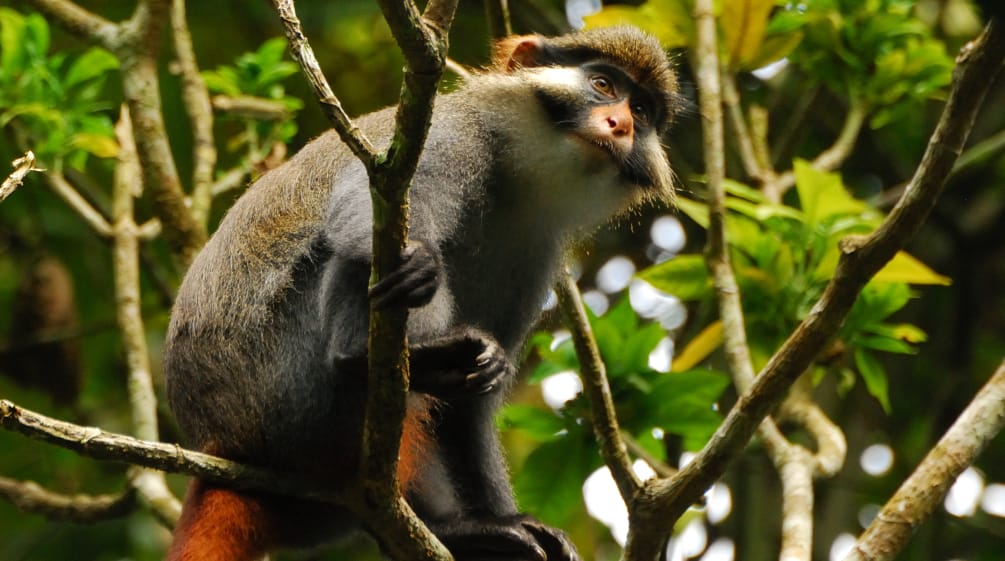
x: 883, y: 56
x: 258, y: 74
x: 648, y: 403
x: 784, y: 257
x: 55, y: 103
x: 871, y: 50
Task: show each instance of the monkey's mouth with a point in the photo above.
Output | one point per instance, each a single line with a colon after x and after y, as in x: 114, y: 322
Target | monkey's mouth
x: 607, y: 148
x: 630, y: 167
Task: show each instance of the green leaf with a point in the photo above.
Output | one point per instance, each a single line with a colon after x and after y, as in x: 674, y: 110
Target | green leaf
x: 222, y: 80
x: 36, y: 33
x: 549, y: 485
x: 99, y: 145
x: 908, y: 269
x: 743, y: 191
x: 909, y: 333
x: 684, y: 403
x: 694, y: 210
x: 684, y: 276
x: 885, y: 344
x: 822, y: 194
x: 92, y: 64
x: 874, y: 376
x: 539, y: 424
x: 12, y: 39
x: 639, y: 345
x: 774, y: 48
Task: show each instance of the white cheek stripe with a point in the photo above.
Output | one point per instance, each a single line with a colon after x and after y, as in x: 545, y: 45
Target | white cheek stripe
x: 562, y: 76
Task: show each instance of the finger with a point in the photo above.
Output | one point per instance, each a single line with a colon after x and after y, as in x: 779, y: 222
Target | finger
x: 555, y: 542
x: 501, y: 543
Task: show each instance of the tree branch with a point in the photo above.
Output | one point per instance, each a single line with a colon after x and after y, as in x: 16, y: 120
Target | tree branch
x: 77, y: 20
x: 74, y: 200
x: 137, y: 48
x: 423, y: 41
x: 594, y: 374
x: 126, y: 266
x: 831, y: 158
x: 96, y: 443
x: 200, y: 115
x: 925, y: 489
x: 29, y: 496
x: 301, y: 51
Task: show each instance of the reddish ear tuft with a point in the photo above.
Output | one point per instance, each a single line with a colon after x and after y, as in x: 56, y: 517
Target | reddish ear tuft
x: 518, y: 51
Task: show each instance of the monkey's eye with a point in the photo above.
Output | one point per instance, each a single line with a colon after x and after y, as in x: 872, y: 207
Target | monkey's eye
x: 641, y: 113
x: 603, y: 85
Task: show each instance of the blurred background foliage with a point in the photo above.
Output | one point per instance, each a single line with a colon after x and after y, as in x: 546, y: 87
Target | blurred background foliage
x: 940, y: 301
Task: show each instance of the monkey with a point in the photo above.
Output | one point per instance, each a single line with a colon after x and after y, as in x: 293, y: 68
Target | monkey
x: 265, y: 355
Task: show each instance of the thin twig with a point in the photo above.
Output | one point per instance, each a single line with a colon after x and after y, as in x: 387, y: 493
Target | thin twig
x: 96, y: 443
x: 330, y: 105
x: 22, y: 167
x: 71, y: 197
x: 29, y: 496
x: 741, y: 133
x: 200, y: 115
x: 594, y: 374
x: 498, y: 16
x: 457, y: 68
x: 423, y: 42
x: 126, y: 266
x: 77, y: 20
x: 793, y: 462
x: 135, y: 44
x: 250, y: 107
x: 831, y: 158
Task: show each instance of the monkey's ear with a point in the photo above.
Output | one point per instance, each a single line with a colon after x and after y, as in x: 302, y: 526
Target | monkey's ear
x: 518, y: 51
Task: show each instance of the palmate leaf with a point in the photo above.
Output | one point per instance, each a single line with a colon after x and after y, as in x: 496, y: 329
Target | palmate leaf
x: 874, y: 375
x: 822, y: 194
x: 908, y: 269
x: 549, y: 485
x: 684, y: 276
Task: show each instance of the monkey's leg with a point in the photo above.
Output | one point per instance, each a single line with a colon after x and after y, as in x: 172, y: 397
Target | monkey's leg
x: 220, y: 525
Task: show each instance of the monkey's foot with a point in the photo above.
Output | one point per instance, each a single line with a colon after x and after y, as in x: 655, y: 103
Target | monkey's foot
x: 519, y: 537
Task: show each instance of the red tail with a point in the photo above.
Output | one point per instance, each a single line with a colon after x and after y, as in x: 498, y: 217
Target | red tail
x: 220, y: 525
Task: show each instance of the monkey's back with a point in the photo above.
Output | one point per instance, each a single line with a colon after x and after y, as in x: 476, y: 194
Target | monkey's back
x: 265, y: 308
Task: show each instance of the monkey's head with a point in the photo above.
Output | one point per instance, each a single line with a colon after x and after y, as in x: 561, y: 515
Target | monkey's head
x: 612, y: 89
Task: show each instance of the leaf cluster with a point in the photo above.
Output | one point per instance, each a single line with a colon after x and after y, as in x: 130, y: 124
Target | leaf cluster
x: 258, y: 74
x: 871, y: 50
x: 784, y: 257
x: 55, y: 103
x: 649, y: 404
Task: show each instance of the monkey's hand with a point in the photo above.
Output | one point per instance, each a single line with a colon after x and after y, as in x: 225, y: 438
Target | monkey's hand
x: 518, y: 537
x: 466, y: 362
x: 414, y: 282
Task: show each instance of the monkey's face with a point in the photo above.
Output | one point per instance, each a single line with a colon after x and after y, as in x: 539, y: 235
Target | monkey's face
x: 603, y: 107
x: 612, y: 91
